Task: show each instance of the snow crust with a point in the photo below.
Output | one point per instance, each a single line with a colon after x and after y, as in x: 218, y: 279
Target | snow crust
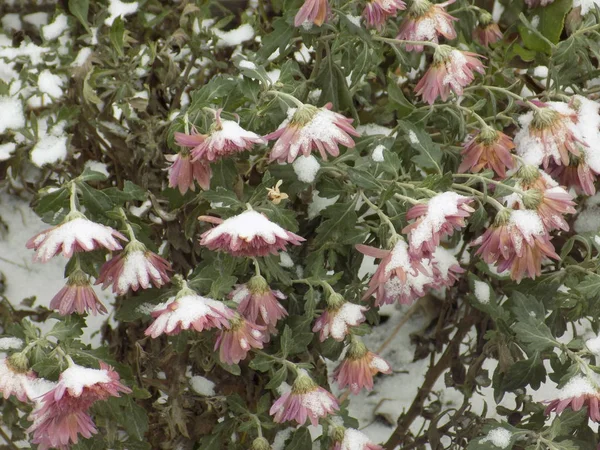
x: 482, y: 292
x: 76, y: 378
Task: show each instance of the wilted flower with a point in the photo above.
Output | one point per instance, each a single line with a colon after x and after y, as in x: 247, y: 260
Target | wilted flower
x: 275, y: 195
x: 451, y: 70
x: 135, y: 267
x: 578, y: 175
x: 578, y: 392
x: 187, y: 311
x: 425, y: 21
x: 183, y: 172
x: 235, y: 342
x: 75, y: 234
x: 15, y: 376
x: 313, y: 11
x: 437, y: 218
x: 258, y: 302
x: 359, y: 366
x: 305, y: 400
x: 377, y: 12
x: 488, y: 149
x: 225, y: 138
x: 77, y: 296
x: 308, y: 128
x: 487, y: 32
x: 338, y: 317
x: 445, y: 268
x: 249, y: 234
x: 399, y: 277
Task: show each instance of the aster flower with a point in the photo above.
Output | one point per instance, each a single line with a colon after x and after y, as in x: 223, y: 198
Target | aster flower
x: 249, y: 234
x: 488, y: 149
x: 359, y: 366
x: 258, y: 303
x: 355, y: 440
x: 312, y: 11
x: 338, y: 317
x: 487, y: 32
x: 308, y: 128
x: 577, y: 175
x: 399, y: 276
x: 187, y: 310
x: 135, y: 267
x: 74, y: 234
x: 425, y: 21
x: 183, y: 172
x: 377, y: 12
x: 451, y: 70
x: 445, y: 268
x: 517, y: 241
x: 436, y: 219
x: 15, y: 377
x: 77, y: 296
x: 235, y: 342
x: 305, y: 400
x: 578, y: 392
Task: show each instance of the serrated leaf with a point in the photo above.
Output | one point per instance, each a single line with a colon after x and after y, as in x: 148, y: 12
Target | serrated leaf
x: 526, y: 307
x: 429, y: 153
x: 535, y: 335
x: 527, y: 372
x: 590, y: 286
x: 221, y: 195
x: 136, y: 424
x: 278, y: 39
x: 398, y: 101
x: 301, y: 440
x: 340, y: 217
x: 68, y: 327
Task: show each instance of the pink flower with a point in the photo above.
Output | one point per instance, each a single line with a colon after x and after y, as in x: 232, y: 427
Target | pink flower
x: 258, y: 303
x: 436, y: 219
x: 309, y: 128
x: 451, y: 70
x: 183, y: 172
x: 225, y: 138
x: 377, y: 12
x: 135, y: 267
x: 338, y: 317
x: 355, y: 440
x: 249, y: 234
x: 14, y: 380
x: 62, y: 413
x: 445, y: 268
x: 359, y: 366
x: 305, y: 400
x: 314, y: 11
x: 75, y: 234
x: 487, y: 34
x: 578, y: 392
x: 399, y: 276
x: 518, y: 241
x: 579, y: 176
x: 235, y: 342
x: 488, y: 149
x: 188, y: 311
x: 426, y: 22
x: 77, y: 296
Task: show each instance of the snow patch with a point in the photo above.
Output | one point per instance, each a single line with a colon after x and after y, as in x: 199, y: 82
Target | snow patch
x: 202, y: 386
x: 482, y: 292
x: 306, y: 168
x: 500, y: 437
x: 117, y: 8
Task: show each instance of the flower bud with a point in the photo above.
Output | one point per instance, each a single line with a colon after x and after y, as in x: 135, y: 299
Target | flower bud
x: 260, y: 443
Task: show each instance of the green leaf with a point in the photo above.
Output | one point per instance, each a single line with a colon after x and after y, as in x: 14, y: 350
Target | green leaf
x: 548, y: 21
x: 340, y: 218
x: 52, y: 202
x: 279, y: 38
x: 536, y: 335
x: 94, y: 200
x: 590, y: 286
x: 363, y: 179
x: 261, y: 363
x: 527, y: 308
x: 79, y: 8
x: 429, y: 153
x: 68, y: 327
x: 397, y: 100
x: 217, y: 87
x: 287, y: 341
x: 91, y: 175
x: 222, y: 195
x: 300, y: 440
x: 137, y: 420
x: 277, y: 378
x: 221, y: 286
x: 117, y: 35
x: 300, y: 342
x: 527, y: 372
x: 131, y: 191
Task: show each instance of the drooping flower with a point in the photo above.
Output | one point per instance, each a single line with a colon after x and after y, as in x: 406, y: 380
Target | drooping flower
x: 445, y: 268
x: 275, y: 195
x: 577, y: 393
x: 355, y: 440
x: 77, y: 296
x: 305, y: 400
x: 488, y: 149
x: 309, y: 128
x: 312, y: 11
x: 224, y: 138
x: 62, y: 413
x: 487, y: 32
x: 188, y: 310
x: 425, y: 21
x: 517, y: 241
x: 249, y: 234
x: 377, y: 12
x: 451, y: 70
x: 74, y: 234
x: 235, y: 342
x: 399, y: 276
x: 258, y: 303
x: 133, y: 268
x: 183, y: 172
x: 359, y: 366
x: 436, y: 219
x: 14, y: 377
x: 338, y: 317
x: 578, y: 175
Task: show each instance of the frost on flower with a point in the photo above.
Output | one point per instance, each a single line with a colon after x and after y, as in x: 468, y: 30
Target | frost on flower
x: 338, y: 318
x: 14, y: 379
x: 76, y: 234
x: 356, y: 440
x: 235, y: 342
x: 358, y: 368
x: 426, y: 21
x: 579, y: 391
x: 377, y: 12
x: 249, y: 234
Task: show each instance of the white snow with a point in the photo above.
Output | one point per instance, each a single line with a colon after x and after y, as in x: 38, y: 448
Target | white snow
x: 76, y: 377
x: 306, y: 168
x: 117, y: 8
x: 50, y: 84
x: 412, y: 137
x: 399, y: 259
x: 372, y: 129
x: 97, y: 166
x: 586, y: 5
x: 10, y: 343
x: 56, y: 28
x: 247, y: 65
x: 274, y: 75
x: 49, y: 150
x: 303, y: 54
x: 82, y: 57
x: 37, y: 387
x: 540, y: 71
x: 137, y: 271
x: 202, y: 386
x: 348, y: 315
x: 354, y: 440
x: 318, y: 204
x: 11, y: 22
x: 524, y: 225
x: 377, y: 154
x: 577, y: 386
x: 482, y: 292
x: 246, y: 226
x: 30, y: 50
x: 500, y: 437
x: 37, y: 19
x: 234, y: 37
x: 6, y: 150
x: 593, y: 345
x: 11, y: 114
x: 285, y: 260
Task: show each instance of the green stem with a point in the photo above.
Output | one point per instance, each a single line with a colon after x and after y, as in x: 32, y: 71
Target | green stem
x: 407, y: 199
x: 488, y: 180
x: 404, y: 41
x: 256, y: 266
x: 475, y: 115
x: 486, y: 198
x: 285, y: 96
x: 73, y: 197
x: 66, y: 357
x: 128, y: 226
x: 508, y: 93
x: 380, y: 213
x: 429, y: 192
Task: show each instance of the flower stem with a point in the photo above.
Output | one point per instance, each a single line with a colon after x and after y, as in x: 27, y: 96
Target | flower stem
x: 285, y: 96
x: 380, y: 213
x: 488, y: 180
x: 404, y: 41
x: 256, y: 266
x: 486, y: 198
x: 66, y: 357
x: 128, y: 226
x: 475, y: 115
x: 73, y: 197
